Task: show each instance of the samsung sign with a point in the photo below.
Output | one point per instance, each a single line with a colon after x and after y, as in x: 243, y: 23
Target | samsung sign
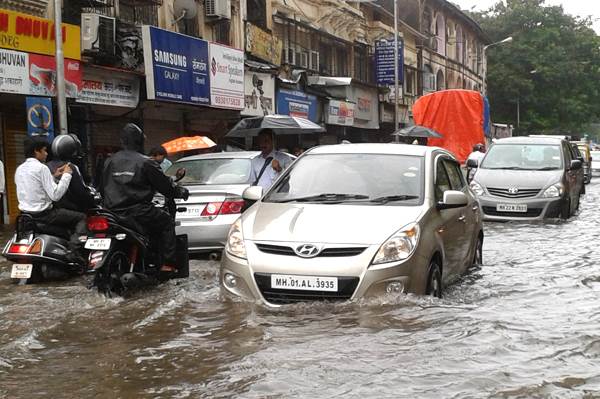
x: 177, y: 67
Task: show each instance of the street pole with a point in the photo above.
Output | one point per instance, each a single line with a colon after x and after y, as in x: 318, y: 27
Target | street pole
x: 61, y: 97
x: 484, y: 61
x: 518, y: 112
x: 396, y: 91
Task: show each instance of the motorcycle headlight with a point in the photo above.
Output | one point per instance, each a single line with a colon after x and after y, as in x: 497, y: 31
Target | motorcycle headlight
x: 235, y: 240
x: 554, y: 191
x: 399, y: 246
x: 476, y: 188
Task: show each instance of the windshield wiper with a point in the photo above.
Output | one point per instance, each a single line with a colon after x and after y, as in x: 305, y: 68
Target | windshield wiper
x: 509, y: 168
x: 547, y: 168
x: 390, y: 198
x: 326, y: 197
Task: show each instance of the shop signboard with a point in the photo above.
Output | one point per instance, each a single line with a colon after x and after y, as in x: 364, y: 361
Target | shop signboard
x: 40, y: 122
x: 297, y: 103
x: 109, y: 88
x: 34, y: 74
x: 226, y: 77
x: 263, y: 45
x: 259, y: 94
x: 30, y: 34
x: 340, y: 113
x: 384, y: 62
x: 366, y: 113
x: 176, y: 67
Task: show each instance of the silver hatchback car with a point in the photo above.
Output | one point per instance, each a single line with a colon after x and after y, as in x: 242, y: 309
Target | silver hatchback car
x: 355, y: 220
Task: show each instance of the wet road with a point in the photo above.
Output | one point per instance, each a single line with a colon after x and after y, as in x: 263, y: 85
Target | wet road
x: 526, y: 324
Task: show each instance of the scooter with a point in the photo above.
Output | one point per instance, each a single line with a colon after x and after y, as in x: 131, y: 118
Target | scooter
x: 41, y: 252
x: 122, y: 257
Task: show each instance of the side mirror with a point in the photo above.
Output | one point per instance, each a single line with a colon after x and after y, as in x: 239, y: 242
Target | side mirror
x: 253, y: 193
x: 180, y: 174
x: 472, y: 163
x: 453, y: 199
x: 576, y: 164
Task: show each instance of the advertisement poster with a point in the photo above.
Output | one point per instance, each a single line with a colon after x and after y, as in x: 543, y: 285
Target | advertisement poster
x: 259, y: 96
x: 226, y: 77
x: 109, y: 88
x: 384, y: 62
x: 340, y: 113
x: 42, y: 76
x: 297, y: 103
x: 176, y: 67
x: 40, y: 122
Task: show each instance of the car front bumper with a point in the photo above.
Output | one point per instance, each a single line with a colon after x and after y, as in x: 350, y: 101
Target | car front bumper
x: 537, y: 208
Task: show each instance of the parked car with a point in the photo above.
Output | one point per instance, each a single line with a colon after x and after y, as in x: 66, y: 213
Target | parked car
x: 595, y: 158
x: 528, y: 178
x: 584, y: 149
x: 351, y: 221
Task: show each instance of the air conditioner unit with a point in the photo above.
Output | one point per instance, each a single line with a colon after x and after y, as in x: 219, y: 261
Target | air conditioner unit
x: 218, y: 8
x: 314, y: 61
x: 289, y: 56
x: 98, y: 34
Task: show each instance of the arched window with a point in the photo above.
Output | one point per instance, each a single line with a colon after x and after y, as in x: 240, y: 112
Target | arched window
x: 441, y: 83
x: 459, y: 44
x: 440, y: 33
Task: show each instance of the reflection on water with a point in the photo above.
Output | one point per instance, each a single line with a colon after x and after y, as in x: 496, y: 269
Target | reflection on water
x: 523, y: 325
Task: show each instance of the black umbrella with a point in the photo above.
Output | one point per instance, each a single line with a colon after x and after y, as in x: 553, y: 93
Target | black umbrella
x: 279, y: 124
x: 417, y: 131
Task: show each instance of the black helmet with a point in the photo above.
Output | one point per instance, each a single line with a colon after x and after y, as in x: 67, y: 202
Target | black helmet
x: 132, y: 137
x: 479, y: 147
x: 66, y: 147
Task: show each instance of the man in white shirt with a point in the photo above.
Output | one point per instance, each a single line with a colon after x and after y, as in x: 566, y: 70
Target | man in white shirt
x: 267, y: 167
x: 477, y: 155
x: 37, y: 190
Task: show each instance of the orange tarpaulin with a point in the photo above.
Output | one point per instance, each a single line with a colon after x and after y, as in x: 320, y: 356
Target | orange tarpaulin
x: 456, y: 114
x: 188, y: 143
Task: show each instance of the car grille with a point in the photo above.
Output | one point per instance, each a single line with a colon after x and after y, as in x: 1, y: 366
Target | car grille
x: 531, y: 212
x: 522, y: 193
x: 346, y: 287
x: 327, y: 252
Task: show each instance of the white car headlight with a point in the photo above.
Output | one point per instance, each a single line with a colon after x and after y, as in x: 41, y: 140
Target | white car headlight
x: 235, y: 240
x: 554, y: 191
x: 476, y: 188
x: 399, y: 246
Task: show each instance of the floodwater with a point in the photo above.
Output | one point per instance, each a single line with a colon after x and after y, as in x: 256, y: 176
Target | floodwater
x: 526, y: 324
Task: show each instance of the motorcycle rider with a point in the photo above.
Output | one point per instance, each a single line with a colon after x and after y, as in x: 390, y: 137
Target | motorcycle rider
x: 130, y: 180
x: 79, y: 197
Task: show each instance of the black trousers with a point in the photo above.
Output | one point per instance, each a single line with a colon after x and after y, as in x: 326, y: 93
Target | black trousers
x: 74, y: 222
x: 160, y: 225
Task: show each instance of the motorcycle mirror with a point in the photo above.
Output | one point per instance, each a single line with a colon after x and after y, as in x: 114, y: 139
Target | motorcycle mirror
x: 180, y: 174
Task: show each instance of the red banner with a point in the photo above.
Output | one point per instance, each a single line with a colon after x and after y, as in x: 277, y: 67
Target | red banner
x: 42, y: 76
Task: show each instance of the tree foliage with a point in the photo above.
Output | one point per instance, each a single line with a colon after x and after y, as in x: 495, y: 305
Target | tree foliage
x: 552, y: 67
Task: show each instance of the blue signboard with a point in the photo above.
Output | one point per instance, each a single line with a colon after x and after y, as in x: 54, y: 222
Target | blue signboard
x: 297, y: 103
x: 176, y: 67
x: 40, y: 123
x: 384, y: 62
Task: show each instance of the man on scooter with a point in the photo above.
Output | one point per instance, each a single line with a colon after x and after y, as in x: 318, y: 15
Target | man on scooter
x: 37, y: 190
x: 130, y: 180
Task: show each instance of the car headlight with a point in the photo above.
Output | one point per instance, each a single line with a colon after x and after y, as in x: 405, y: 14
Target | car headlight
x: 399, y: 246
x: 235, y: 240
x: 554, y: 191
x: 476, y: 188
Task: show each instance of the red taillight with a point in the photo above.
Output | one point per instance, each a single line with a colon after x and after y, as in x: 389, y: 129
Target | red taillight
x: 18, y: 249
x: 211, y: 209
x: 97, y: 223
x: 232, y: 207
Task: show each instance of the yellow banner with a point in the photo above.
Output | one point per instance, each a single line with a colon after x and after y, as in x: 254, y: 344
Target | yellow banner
x: 24, y: 32
x: 263, y: 45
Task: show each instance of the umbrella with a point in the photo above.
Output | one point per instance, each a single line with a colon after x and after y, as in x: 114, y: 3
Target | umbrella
x: 417, y: 131
x: 188, y: 143
x: 280, y: 124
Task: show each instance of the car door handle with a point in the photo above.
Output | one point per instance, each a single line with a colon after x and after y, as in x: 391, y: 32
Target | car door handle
x: 462, y: 218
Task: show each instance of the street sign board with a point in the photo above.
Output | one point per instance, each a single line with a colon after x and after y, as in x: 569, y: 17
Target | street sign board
x: 40, y: 123
x: 384, y: 62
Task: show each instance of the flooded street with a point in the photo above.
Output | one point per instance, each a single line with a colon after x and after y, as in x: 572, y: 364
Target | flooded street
x: 523, y: 325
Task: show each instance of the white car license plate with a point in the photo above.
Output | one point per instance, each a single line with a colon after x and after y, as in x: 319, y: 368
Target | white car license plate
x: 194, y: 210
x: 21, y: 271
x: 511, y: 207
x: 306, y: 283
x: 101, y: 244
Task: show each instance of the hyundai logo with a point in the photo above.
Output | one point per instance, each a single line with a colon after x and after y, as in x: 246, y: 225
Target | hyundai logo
x: 513, y: 190
x: 307, y: 250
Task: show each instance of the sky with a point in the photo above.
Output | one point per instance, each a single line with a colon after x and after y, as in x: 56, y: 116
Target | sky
x: 575, y: 7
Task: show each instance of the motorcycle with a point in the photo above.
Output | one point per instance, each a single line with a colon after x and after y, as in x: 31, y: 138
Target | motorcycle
x: 123, y: 258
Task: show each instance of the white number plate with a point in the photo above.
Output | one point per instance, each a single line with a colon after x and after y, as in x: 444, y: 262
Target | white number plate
x: 194, y: 210
x: 101, y: 244
x: 511, y: 207
x: 306, y: 283
x: 21, y: 271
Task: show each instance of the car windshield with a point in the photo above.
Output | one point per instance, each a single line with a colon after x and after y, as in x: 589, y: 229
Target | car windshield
x: 213, y: 171
x: 523, y: 157
x: 365, y: 179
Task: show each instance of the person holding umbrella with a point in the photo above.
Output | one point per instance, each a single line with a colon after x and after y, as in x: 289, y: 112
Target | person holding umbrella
x: 267, y: 167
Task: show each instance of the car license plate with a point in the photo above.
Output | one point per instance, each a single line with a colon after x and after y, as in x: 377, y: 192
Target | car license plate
x: 21, y: 271
x: 194, y: 210
x: 306, y: 283
x: 101, y: 244
x: 511, y: 207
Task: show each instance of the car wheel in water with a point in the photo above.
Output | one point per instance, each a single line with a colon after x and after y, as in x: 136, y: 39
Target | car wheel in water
x: 434, y: 280
x: 565, y: 211
x: 478, y: 256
